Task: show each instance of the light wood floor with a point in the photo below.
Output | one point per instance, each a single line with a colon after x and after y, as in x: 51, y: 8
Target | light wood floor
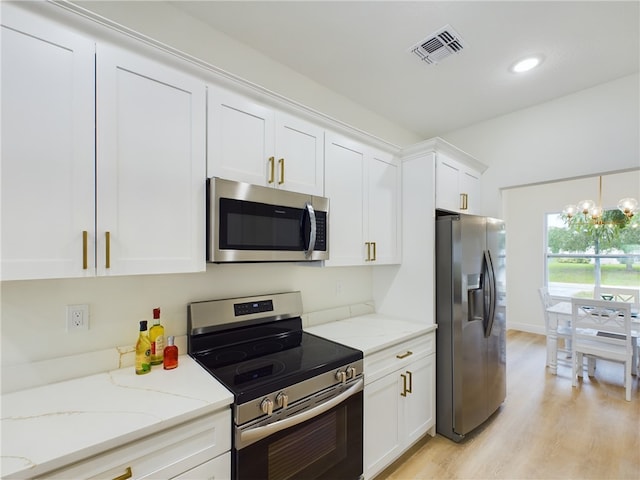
x: 545, y: 429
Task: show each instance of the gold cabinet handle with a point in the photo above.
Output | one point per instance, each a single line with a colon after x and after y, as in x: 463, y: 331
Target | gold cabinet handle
x: 107, y: 249
x: 404, y: 385
x: 281, y: 164
x: 464, y: 201
x: 85, y: 240
x: 374, y: 251
x: 404, y: 355
x: 127, y: 474
x: 410, y: 375
x: 368, y: 244
x: 272, y: 167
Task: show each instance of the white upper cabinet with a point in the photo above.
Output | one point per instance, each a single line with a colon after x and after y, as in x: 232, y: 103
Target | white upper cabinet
x: 241, y: 138
x: 363, y: 187
x: 151, y: 166
x: 253, y: 143
x: 385, y: 231
x: 299, y: 159
x: 457, y: 186
x: 47, y: 148
x: 100, y: 175
x: 345, y: 169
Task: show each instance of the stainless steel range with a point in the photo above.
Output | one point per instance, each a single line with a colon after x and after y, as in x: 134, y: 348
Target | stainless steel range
x: 298, y: 405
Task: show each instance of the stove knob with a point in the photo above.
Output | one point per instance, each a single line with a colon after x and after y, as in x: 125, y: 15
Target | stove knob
x: 341, y: 376
x: 351, y: 372
x: 267, y: 406
x: 282, y: 400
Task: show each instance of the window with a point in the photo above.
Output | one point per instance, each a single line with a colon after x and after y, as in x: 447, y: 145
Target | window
x: 580, y: 257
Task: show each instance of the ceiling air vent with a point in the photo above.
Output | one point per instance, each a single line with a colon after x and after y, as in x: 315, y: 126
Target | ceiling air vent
x: 439, y: 45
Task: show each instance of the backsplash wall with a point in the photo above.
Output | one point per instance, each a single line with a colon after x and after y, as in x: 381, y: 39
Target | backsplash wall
x: 34, y: 312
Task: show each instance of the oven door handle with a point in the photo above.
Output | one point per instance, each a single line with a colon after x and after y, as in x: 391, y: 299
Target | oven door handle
x: 253, y: 435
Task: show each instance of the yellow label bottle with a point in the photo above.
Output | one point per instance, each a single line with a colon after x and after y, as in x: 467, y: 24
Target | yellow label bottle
x: 156, y: 335
x: 143, y: 350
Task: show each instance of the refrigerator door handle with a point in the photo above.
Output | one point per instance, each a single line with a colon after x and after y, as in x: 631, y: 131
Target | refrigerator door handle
x: 489, y: 317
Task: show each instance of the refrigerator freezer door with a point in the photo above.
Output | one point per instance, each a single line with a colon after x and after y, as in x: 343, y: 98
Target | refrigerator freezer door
x: 469, y: 355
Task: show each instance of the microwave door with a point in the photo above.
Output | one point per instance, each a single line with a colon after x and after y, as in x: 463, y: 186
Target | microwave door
x: 308, y: 229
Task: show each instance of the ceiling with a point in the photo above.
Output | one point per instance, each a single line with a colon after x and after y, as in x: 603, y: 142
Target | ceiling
x: 361, y: 50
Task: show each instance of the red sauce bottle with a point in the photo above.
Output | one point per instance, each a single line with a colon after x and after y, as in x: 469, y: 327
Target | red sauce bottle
x: 170, y: 360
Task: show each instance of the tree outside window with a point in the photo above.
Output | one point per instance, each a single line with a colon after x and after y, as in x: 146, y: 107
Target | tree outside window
x: 581, y: 255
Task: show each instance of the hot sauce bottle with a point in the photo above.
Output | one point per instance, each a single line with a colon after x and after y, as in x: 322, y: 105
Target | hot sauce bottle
x: 170, y: 354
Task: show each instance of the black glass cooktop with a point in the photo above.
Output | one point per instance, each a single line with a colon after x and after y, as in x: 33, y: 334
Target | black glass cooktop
x: 278, y: 359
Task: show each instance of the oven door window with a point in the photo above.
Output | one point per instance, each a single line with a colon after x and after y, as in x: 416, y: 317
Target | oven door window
x: 328, y: 446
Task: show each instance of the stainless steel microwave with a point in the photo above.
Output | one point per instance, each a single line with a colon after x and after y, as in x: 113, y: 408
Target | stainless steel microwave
x: 250, y: 223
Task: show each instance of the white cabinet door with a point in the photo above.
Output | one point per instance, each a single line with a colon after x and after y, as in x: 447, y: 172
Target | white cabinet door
x: 384, y: 209
x: 419, y: 405
x: 47, y: 148
x: 457, y: 186
x: 217, y: 469
x: 382, y: 442
x: 345, y: 167
x: 240, y: 138
x: 150, y: 166
x: 470, y: 187
x: 299, y: 159
x: 447, y: 189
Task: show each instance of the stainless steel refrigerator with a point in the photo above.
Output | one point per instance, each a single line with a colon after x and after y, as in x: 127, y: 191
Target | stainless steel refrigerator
x: 470, y: 313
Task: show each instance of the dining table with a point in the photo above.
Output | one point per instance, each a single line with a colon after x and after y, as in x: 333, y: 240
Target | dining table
x: 562, y: 312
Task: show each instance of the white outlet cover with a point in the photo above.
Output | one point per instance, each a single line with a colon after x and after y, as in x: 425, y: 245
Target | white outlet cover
x: 77, y: 318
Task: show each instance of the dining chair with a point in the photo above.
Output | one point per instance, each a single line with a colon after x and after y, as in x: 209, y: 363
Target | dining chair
x: 563, y: 333
x: 631, y: 295
x: 601, y: 328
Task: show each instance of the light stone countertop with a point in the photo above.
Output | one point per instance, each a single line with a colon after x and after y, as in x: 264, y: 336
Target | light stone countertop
x: 54, y: 425
x: 371, y: 333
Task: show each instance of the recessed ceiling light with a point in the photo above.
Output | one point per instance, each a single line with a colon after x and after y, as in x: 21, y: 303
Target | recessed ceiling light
x: 526, y: 64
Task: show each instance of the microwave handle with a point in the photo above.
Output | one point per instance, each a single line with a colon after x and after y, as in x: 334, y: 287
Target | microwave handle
x: 312, y: 235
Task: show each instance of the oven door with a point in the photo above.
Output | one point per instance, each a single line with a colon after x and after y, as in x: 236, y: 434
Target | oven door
x: 324, y: 442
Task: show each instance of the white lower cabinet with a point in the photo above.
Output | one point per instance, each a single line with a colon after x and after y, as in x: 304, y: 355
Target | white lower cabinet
x: 399, y: 401
x: 217, y: 469
x: 195, y: 449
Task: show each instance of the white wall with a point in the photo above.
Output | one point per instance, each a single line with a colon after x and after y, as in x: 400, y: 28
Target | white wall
x: 525, y: 209
x: 593, y: 131
x: 33, y: 312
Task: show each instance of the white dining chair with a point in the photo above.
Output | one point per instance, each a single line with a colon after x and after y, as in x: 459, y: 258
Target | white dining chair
x: 630, y: 295
x: 602, y: 328
x: 563, y: 332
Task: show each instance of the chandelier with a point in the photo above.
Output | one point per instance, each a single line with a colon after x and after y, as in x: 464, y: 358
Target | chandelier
x: 593, y: 213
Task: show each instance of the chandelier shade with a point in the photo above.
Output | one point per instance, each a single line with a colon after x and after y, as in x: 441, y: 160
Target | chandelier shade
x: 593, y: 212
x: 628, y: 206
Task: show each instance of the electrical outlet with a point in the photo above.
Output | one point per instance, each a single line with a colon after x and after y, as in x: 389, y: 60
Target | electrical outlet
x: 77, y: 318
